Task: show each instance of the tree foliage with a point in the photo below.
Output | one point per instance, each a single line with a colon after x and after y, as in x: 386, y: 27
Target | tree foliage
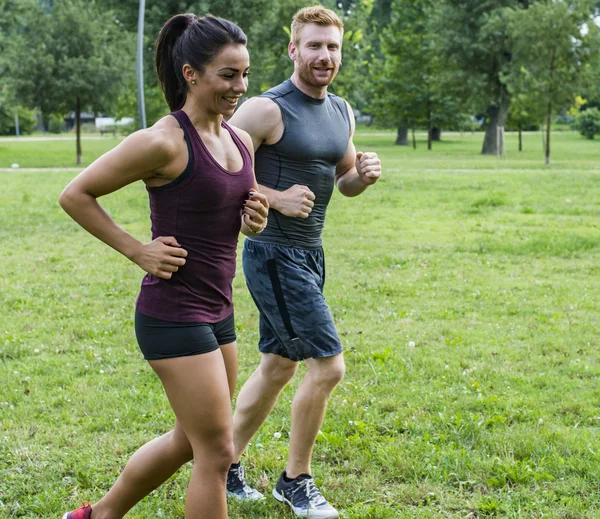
x: 550, y: 55
x: 412, y: 63
x: 76, y: 62
x: 412, y: 87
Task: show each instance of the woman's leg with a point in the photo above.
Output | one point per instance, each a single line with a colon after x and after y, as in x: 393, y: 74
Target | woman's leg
x: 230, y: 357
x: 148, y: 468
x: 156, y: 461
x: 199, y: 393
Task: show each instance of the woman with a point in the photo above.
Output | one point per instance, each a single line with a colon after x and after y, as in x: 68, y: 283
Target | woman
x: 200, y: 181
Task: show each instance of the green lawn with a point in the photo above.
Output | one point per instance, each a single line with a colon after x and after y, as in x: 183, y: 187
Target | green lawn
x: 52, y: 154
x: 465, y: 290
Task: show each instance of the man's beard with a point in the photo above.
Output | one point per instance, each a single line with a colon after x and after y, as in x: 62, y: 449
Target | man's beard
x: 307, y: 77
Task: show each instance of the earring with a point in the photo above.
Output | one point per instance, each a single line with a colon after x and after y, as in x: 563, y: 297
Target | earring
x: 193, y: 81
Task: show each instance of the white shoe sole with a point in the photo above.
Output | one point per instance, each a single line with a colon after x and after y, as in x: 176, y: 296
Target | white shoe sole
x: 308, y: 514
x: 243, y: 499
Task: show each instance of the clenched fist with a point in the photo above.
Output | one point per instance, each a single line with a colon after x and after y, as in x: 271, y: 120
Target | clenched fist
x: 368, y: 167
x: 297, y: 201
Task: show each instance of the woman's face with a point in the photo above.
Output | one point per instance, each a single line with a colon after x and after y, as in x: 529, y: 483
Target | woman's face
x: 224, y: 80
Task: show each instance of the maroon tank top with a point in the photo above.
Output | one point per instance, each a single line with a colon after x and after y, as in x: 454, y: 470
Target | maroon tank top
x: 202, y: 210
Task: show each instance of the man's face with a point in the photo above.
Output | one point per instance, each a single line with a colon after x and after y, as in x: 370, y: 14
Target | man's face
x: 317, y: 54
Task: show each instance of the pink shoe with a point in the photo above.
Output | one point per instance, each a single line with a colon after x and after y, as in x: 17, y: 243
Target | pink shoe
x: 85, y: 512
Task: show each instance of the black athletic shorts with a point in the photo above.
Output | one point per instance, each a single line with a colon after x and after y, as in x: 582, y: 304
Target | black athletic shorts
x: 163, y: 340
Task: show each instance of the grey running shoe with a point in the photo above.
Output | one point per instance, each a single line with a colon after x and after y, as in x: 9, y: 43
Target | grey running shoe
x: 304, y: 498
x: 238, y: 488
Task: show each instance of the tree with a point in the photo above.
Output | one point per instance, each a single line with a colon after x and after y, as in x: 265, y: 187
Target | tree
x: 77, y: 62
x: 523, y: 114
x: 13, y: 38
x: 411, y: 88
x: 551, y: 53
x: 476, y: 47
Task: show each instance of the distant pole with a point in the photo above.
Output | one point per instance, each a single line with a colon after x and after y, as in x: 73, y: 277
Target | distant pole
x: 17, y: 125
x: 140, y: 64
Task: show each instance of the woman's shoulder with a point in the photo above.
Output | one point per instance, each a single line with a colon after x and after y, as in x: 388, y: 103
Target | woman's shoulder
x: 165, y: 137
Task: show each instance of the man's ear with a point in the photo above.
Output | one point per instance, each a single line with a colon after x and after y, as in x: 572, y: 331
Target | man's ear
x: 292, y: 51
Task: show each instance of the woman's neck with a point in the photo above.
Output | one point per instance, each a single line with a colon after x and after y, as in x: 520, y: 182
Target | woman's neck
x: 201, y: 119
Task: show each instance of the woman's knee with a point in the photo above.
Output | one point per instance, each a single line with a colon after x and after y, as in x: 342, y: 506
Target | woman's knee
x: 179, y: 444
x: 217, y: 454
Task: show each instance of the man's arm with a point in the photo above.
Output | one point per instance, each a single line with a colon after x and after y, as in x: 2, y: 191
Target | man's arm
x: 356, y: 171
x: 261, y: 118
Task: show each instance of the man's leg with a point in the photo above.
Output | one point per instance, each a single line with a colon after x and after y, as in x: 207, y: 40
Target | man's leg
x: 258, y: 397
x: 308, y: 410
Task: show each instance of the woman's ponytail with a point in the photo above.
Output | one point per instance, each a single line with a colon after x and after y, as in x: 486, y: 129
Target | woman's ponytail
x: 170, y: 76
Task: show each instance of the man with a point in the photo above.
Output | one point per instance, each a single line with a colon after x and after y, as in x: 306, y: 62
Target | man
x: 303, y: 141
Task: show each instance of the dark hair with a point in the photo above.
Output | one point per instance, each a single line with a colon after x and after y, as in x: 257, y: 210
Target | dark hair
x: 185, y: 38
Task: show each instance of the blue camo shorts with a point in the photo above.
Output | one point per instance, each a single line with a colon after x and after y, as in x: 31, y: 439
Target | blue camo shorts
x: 286, y: 284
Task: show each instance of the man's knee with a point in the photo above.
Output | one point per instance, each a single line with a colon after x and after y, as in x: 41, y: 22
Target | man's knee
x: 327, y: 373
x: 277, y: 370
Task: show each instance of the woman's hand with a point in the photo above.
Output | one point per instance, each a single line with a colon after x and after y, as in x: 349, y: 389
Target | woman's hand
x: 161, y: 257
x: 256, y: 210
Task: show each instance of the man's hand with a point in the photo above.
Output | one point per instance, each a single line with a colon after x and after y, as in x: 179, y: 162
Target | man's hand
x: 297, y: 201
x: 368, y: 167
x: 161, y: 257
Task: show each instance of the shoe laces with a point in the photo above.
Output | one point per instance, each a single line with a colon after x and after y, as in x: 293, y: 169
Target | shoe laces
x: 313, y: 494
x: 240, y: 474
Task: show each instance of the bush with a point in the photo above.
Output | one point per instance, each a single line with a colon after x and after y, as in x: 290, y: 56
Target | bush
x: 56, y: 124
x: 588, y: 122
x: 27, y: 121
x: 126, y: 129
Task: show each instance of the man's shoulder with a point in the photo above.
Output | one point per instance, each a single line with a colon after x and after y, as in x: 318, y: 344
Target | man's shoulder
x: 263, y: 106
x: 340, y: 101
x: 281, y: 90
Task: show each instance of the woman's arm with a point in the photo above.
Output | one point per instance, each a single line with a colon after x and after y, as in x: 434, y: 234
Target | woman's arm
x: 141, y: 156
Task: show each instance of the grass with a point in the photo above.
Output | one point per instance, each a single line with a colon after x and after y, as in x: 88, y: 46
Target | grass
x: 465, y: 292
x: 52, y: 154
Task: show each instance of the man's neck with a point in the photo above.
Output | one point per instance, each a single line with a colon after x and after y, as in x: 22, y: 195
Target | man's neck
x: 309, y: 90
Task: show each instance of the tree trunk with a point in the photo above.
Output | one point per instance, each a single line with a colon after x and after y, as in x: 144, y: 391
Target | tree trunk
x: 402, y: 136
x: 548, y: 124
x: 414, y: 139
x: 436, y: 134
x: 520, y: 137
x: 428, y: 127
x: 497, y: 117
x: 78, y: 124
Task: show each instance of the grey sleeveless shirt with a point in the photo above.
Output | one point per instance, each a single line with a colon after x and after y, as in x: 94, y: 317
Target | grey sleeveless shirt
x: 315, y: 138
